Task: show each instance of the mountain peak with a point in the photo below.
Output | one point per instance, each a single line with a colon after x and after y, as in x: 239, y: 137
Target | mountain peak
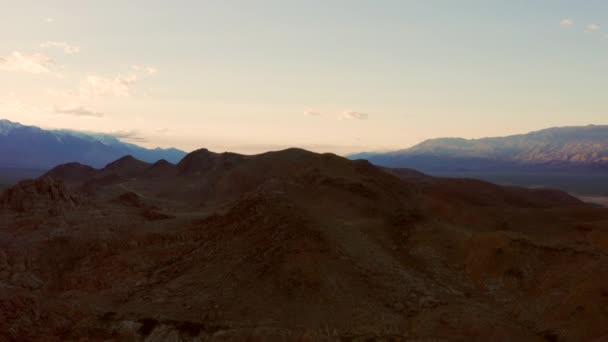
x: 32, y: 147
x: 71, y: 172
x: 196, y: 161
x: 161, y: 163
x: 161, y: 168
x: 127, y: 164
x: 123, y: 160
x: 6, y: 126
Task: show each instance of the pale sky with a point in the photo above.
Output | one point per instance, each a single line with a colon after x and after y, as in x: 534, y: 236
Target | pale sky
x: 327, y: 75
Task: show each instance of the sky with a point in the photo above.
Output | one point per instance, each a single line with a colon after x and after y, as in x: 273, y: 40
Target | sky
x: 336, y: 76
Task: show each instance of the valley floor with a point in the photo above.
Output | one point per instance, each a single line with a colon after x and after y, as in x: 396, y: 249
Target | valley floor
x: 585, y: 184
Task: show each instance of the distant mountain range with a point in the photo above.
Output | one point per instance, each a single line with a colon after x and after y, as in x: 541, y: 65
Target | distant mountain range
x: 566, y: 149
x: 35, y: 148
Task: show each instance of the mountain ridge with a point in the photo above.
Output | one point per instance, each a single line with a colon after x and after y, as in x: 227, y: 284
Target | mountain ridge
x: 25, y: 146
x: 288, y: 245
x: 553, y: 149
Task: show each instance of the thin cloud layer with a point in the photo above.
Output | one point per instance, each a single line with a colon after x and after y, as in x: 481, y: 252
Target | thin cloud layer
x: 67, y: 48
x: 98, y: 86
x: 312, y: 113
x: 74, y: 109
x: 30, y: 63
x: 351, y: 115
x: 132, y: 135
x: 60, y: 93
x: 150, y: 70
x: 592, y: 28
x: 567, y: 22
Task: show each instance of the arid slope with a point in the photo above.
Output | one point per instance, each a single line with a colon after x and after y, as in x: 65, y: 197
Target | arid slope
x: 293, y: 245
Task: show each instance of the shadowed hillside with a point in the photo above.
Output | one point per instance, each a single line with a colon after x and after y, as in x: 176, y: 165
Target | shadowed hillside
x: 293, y: 245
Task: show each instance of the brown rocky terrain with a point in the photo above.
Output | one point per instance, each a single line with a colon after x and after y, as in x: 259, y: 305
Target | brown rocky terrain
x: 293, y: 245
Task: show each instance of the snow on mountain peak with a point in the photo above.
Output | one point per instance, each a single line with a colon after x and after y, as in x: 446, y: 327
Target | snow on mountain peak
x: 7, y: 126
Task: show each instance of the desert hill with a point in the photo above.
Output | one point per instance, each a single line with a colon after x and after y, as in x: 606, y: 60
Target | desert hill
x: 293, y: 245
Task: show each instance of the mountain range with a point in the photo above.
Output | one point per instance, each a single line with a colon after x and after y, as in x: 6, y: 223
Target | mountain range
x: 563, y: 149
x: 29, y: 147
x: 295, y: 246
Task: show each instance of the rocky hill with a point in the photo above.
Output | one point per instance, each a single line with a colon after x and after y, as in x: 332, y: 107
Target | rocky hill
x: 293, y: 245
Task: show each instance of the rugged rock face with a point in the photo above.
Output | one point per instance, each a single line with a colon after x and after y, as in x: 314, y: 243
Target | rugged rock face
x: 44, y: 194
x: 292, y: 245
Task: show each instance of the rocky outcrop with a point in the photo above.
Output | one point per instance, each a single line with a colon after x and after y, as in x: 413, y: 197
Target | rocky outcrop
x: 44, y: 194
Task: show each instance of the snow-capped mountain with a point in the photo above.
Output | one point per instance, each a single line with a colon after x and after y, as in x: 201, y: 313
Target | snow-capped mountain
x: 33, y: 147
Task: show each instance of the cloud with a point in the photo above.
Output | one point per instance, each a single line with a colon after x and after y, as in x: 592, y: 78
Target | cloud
x: 148, y: 69
x: 566, y: 22
x: 49, y: 20
x: 312, y: 113
x: 132, y: 135
x: 162, y: 130
x: 592, y: 28
x: 21, y: 62
x: 74, y: 109
x: 67, y: 48
x: 351, y: 115
x: 98, y: 86
x: 60, y: 93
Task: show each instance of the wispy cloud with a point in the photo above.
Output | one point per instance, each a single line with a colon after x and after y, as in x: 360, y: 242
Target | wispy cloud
x: 22, y: 62
x: 311, y: 112
x: 566, y: 22
x: 60, y: 93
x: 352, y: 115
x: 98, y: 86
x: 67, y: 48
x: 74, y: 109
x: 592, y: 28
x: 49, y: 20
x: 132, y: 135
x: 150, y: 70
